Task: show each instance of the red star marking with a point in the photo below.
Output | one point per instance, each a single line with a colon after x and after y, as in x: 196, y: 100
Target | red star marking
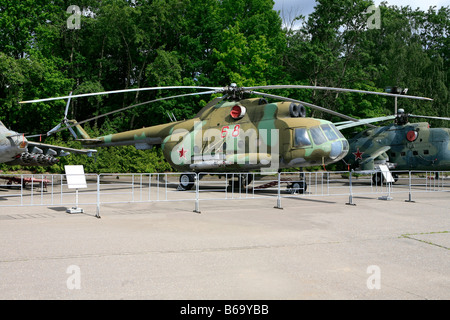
x: 358, y: 154
x: 182, y: 153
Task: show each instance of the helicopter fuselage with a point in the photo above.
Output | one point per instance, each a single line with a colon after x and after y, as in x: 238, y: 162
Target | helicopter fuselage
x: 240, y: 136
x: 12, y: 144
x: 15, y: 149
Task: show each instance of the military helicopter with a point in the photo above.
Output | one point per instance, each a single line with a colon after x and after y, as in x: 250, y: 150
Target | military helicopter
x: 234, y: 134
x: 16, y: 149
x: 400, y: 145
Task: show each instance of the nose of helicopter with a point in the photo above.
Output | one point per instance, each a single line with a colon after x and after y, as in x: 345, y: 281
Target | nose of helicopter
x: 339, y: 149
x: 19, y: 141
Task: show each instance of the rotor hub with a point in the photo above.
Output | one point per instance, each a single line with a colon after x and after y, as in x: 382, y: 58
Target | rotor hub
x: 234, y: 92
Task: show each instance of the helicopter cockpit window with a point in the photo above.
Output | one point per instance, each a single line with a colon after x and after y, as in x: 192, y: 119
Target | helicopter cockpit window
x: 329, y: 132
x: 301, y: 138
x: 340, y: 135
x: 317, y: 135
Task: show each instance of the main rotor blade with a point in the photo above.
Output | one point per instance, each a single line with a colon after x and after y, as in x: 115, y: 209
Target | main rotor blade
x: 335, y: 89
x: 428, y: 117
x: 121, y: 91
x: 133, y: 106
x: 306, y: 104
x: 361, y: 122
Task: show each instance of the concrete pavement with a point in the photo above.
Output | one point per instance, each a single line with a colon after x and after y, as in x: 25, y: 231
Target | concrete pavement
x: 314, y: 248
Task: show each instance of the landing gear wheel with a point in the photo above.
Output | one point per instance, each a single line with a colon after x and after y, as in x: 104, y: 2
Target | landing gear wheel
x: 187, y: 181
x: 245, y: 179
x: 297, y: 187
x: 242, y: 181
x: 395, y: 176
x: 377, y: 178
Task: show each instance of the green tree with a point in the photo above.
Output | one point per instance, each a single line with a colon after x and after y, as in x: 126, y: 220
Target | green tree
x: 329, y: 50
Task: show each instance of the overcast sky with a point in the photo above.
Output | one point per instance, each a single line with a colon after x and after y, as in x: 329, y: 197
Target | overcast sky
x: 297, y: 7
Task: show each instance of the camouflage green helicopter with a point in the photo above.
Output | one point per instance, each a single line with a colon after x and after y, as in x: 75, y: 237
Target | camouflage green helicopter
x: 233, y: 134
x: 400, y: 145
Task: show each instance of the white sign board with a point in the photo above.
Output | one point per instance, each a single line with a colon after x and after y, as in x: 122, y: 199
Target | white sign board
x: 387, y: 174
x: 75, y: 177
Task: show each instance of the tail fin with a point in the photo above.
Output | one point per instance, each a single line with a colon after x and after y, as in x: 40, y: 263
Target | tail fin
x: 81, y: 133
x: 69, y: 124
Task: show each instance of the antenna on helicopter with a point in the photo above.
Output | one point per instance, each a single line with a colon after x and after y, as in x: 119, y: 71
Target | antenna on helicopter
x: 397, y: 91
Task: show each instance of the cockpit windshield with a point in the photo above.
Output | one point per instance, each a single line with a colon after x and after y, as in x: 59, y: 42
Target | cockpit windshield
x: 329, y: 132
x: 318, y: 134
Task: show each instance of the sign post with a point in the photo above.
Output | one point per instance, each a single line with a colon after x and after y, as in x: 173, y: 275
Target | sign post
x: 389, y: 180
x: 75, y: 180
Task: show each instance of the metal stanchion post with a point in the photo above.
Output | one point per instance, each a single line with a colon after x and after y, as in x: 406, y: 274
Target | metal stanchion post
x: 197, y: 191
x: 97, y: 215
x: 410, y: 194
x: 350, y: 197
x: 278, y: 206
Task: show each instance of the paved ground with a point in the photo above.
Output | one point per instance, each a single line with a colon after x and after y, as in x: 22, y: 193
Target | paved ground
x: 314, y: 248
